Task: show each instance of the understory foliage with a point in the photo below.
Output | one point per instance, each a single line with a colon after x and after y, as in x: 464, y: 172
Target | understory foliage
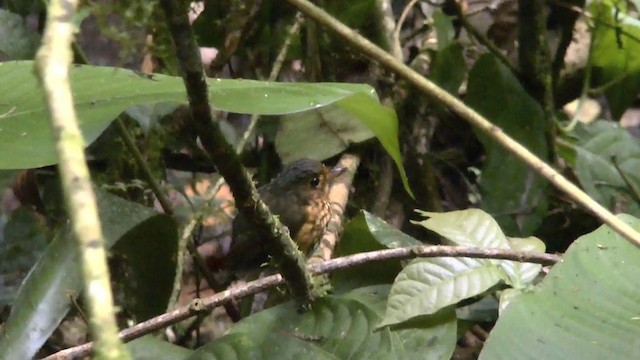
x: 561, y: 78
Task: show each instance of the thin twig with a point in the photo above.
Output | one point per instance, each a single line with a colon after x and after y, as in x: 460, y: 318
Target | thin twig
x: 484, y: 40
x: 470, y: 115
x: 400, y: 22
x: 254, y: 287
x: 129, y: 142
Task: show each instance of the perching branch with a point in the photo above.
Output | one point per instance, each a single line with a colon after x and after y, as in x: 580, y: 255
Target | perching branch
x: 470, y: 115
x: 254, y: 287
x: 225, y: 159
x: 53, y: 61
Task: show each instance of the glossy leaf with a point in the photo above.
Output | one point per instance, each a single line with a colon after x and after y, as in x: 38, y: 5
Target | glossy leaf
x: 586, y: 307
x: 101, y: 93
x: 470, y: 227
x: 520, y: 274
x: 426, y: 286
x: 476, y: 228
x: 43, y: 298
x: 366, y: 232
x: 383, y: 122
x: 511, y: 191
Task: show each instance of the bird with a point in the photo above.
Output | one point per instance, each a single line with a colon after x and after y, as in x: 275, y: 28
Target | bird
x: 299, y: 196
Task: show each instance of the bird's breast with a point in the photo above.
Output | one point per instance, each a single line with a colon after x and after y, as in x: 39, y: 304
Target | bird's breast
x: 318, y: 215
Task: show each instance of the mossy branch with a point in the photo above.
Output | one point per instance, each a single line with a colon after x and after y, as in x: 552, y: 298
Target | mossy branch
x: 224, y: 157
x: 53, y: 62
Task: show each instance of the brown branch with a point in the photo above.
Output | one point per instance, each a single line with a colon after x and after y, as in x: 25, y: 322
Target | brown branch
x: 223, y: 155
x: 200, y: 305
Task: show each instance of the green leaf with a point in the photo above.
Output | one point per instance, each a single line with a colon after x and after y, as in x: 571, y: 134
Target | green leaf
x: 43, y: 299
x: 426, y: 286
x: 23, y: 241
x: 521, y: 274
x: 616, y: 44
x: 16, y: 41
x: 436, y: 332
x: 383, y: 122
x: 597, y: 146
x: 319, y: 134
x: 586, y: 307
x: 150, y: 347
x: 471, y: 227
x: 335, y: 328
x: 148, y: 280
x: 444, y: 29
x: 449, y: 69
x: 101, y: 93
x: 520, y: 203
x: 476, y: 228
x: 366, y: 232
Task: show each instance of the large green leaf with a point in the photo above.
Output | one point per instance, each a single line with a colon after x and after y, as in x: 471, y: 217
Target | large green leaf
x: 471, y: 227
x: 476, y: 228
x: 43, y: 299
x: 335, y: 328
x: 366, y: 232
x: 21, y: 244
x: 150, y: 347
x: 101, y: 93
x: 383, y: 123
x: 598, y: 145
x: 426, y: 286
x: 586, y: 308
x: 614, y: 54
x: 511, y: 191
x: 319, y: 134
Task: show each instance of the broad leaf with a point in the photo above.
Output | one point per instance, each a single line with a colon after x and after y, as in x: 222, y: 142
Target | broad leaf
x: 150, y: 347
x: 426, y: 286
x: 43, y: 299
x: 335, y: 328
x: 366, y: 232
x: 600, y: 147
x: 511, y: 191
x: 475, y: 228
x: 586, y: 307
x: 101, y: 93
x: 471, y: 227
x: 614, y: 55
x: 519, y: 274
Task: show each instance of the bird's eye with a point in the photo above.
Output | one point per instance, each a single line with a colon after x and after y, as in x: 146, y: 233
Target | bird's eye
x: 315, y: 181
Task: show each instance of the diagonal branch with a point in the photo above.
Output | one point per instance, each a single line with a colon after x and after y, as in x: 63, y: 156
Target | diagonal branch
x: 470, y: 115
x: 224, y: 156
